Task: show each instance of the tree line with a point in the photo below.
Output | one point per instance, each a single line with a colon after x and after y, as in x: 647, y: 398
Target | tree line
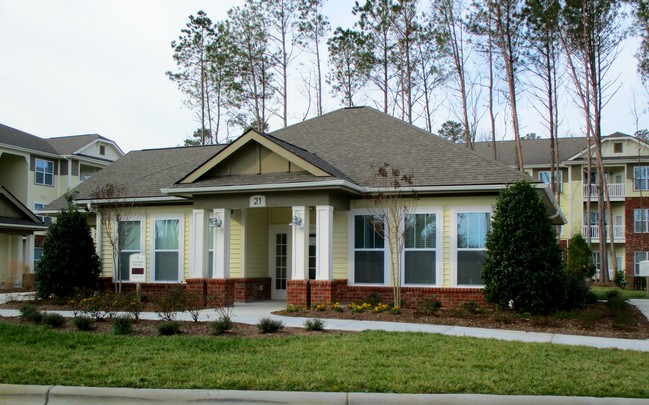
x: 400, y: 55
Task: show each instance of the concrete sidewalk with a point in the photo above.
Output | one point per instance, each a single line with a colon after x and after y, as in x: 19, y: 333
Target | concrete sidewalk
x: 251, y: 313
x: 55, y: 395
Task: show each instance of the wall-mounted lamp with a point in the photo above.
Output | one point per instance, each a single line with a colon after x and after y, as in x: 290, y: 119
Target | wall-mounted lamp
x: 296, y: 221
x: 216, y: 222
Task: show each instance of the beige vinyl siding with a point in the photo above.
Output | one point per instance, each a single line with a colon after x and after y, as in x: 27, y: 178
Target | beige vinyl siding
x: 256, y: 242
x: 186, y: 224
x: 236, y: 244
x: 446, y: 246
x: 340, y: 245
x: 4, y: 261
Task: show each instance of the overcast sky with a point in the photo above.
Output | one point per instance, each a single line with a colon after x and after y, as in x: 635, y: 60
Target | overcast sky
x: 72, y: 67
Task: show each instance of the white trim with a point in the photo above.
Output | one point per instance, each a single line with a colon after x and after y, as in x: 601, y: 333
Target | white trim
x: 198, y: 243
x: 300, y: 249
x: 273, y: 231
x: 44, y: 173
x: 29, y: 151
x: 439, y: 248
x: 102, y: 140
x: 181, y: 244
x: 324, y: 242
x: 351, y: 236
x: 221, y: 248
x: 142, y: 220
x: 453, y: 239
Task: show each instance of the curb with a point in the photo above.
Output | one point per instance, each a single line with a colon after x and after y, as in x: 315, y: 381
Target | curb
x: 55, y: 395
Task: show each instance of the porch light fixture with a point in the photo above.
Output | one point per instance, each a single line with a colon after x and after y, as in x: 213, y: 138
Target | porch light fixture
x: 296, y: 221
x: 216, y: 222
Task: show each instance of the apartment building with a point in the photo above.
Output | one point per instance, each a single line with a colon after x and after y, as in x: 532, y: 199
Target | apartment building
x: 626, y: 169
x: 33, y: 172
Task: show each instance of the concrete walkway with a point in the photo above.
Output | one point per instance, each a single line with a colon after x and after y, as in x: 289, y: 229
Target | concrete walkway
x: 251, y: 313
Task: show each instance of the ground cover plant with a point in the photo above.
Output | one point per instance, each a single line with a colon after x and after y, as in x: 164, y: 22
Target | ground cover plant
x: 368, y: 361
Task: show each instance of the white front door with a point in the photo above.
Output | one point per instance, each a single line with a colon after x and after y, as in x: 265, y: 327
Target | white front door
x: 279, y: 268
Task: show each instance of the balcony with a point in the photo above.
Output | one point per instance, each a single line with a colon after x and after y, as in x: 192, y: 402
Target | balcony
x: 616, y: 191
x: 618, y: 233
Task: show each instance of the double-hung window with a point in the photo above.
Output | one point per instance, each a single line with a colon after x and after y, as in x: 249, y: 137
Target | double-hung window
x: 420, y: 249
x: 44, y: 172
x: 641, y: 220
x: 641, y: 178
x: 369, y: 250
x: 546, y: 177
x: 45, y: 219
x: 129, y: 239
x: 166, y: 249
x: 472, y: 229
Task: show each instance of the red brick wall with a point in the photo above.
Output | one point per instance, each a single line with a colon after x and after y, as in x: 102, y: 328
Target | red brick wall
x: 251, y: 289
x: 220, y: 291
x: 297, y: 293
x: 148, y: 289
x: 325, y: 291
x: 633, y: 241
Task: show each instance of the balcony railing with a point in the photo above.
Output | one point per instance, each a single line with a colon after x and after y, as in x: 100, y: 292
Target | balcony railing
x: 618, y: 233
x: 615, y: 190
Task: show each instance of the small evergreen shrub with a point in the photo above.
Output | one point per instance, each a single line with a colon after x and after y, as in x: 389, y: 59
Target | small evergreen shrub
x: 168, y: 328
x: 523, y: 264
x: 53, y: 320
x: 428, y: 307
x: 222, y: 325
x: 82, y: 323
x: 620, y: 279
x: 315, y: 324
x: 29, y: 313
x: 580, y: 257
x: 267, y: 325
x: 472, y: 307
x: 122, y: 325
x: 615, y: 301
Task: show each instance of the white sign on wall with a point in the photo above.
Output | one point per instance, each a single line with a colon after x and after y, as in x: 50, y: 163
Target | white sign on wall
x: 137, y: 266
x: 257, y: 201
x: 644, y: 268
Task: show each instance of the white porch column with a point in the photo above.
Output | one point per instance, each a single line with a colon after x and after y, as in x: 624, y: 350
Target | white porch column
x: 222, y: 243
x: 29, y: 252
x: 324, y: 241
x: 198, y: 250
x: 300, y: 251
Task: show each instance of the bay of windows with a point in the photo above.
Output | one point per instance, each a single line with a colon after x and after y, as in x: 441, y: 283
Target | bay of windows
x: 472, y: 229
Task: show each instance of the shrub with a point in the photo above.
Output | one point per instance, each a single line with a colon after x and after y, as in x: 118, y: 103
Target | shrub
x: 123, y: 325
x: 100, y: 306
x: 524, y: 261
x: 221, y: 325
x: 472, y: 307
x: 132, y: 303
x: 82, y: 323
x: 428, y: 307
x: 615, y: 300
x: 30, y: 313
x: 620, y: 279
x: 580, y: 257
x: 267, y: 325
x: 170, y: 303
x: 168, y: 328
x: 69, y: 262
x: 336, y: 307
x: 319, y: 307
x: 577, y: 292
x: 315, y: 324
x: 53, y: 320
x: 373, y: 299
x: 193, y: 303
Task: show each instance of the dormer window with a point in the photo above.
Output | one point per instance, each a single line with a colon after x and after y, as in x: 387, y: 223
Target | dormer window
x: 102, y: 150
x: 618, y: 147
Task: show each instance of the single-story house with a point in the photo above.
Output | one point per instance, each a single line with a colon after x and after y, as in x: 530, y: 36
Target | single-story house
x: 17, y: 227
x: 288, y: 215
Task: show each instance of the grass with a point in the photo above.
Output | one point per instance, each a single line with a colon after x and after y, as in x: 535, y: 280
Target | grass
x: 368, y: 361
x: 600, y: 292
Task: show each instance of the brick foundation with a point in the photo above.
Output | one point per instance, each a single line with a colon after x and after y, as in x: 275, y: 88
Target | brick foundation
x: 148, y: 290
x: 298, y: 293
x: 251, y: 289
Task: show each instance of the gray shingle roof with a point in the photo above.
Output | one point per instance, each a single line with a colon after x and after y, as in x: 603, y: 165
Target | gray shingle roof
x: 143, y: 173
x: 21, y: 139
x: 357, y: 140
x: 535, y: 151
x: 66, y: 145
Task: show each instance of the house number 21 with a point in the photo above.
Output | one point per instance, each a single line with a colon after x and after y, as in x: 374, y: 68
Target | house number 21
x: 257, y: 201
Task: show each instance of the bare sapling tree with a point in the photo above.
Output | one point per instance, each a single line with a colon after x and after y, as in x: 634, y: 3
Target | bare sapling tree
x: 395, y: 201
x: 114, y: 209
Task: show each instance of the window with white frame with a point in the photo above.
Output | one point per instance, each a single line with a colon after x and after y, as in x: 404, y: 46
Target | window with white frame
x: 420, y: 249
x: 39, y: 206
x: 369, y: 251
x: 641, y: 220
x: 641, y: 178
x: 546, y: 177
x: 637, y: 258
x: 166, y: 249
x: 44, y: 172
x: 130, y: 234
x: 472, y: 229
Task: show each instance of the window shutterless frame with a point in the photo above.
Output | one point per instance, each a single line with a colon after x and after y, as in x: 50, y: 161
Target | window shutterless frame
x: 469, y: 229
x: 167, y: 240
x: 44, y: 172
x: 422, y: 260
x: 368, y: 256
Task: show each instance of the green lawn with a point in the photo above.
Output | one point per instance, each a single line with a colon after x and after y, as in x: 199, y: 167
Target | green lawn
x: 369, y: 361
x: 627, y: 293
